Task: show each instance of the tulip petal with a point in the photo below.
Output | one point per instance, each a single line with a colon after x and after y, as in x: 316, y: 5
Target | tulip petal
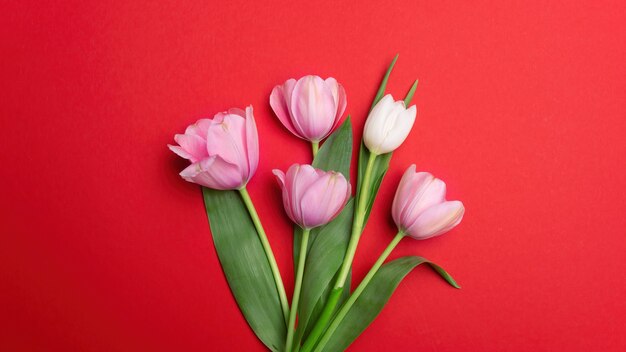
x: 324, y: 199
x: 280, y: 176
x: 437, y: 220
x: 401, y: 129
x: 342, y: 102
x: 411, y: 194
x: 392, y: 133
x: 313, y: 108
x: 180, y: 151
x: 339, y: 95
x: 280, y: 101
x: 252, y: 142
x: 332, y: 84
x: 194, y: 145
x: 237, y: 111
x: 214, y: 172
x: 226, y: 138
x: 432, y: 193
x: 375, y: 124
x: 199, y: 128
x: 297, y: 180
x: 404, y: 192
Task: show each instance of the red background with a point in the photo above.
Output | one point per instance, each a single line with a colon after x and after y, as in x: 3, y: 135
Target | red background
x: 522, y: 108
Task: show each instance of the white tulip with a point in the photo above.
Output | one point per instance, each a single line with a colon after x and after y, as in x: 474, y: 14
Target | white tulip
x: 388, y: 125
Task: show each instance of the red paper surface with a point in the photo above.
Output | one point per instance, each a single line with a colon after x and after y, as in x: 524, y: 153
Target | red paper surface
x: 522, y: 108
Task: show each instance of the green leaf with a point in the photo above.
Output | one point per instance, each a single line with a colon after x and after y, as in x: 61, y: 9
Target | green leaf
x: 381, y: 165
x: 245, y: 265
x: 409, y: 95
x: 323, y: 260
x: 327, y: 244
x: 319, y: 307
x: 374, y: 297
x: 383, y: 85
x: 335, y: 154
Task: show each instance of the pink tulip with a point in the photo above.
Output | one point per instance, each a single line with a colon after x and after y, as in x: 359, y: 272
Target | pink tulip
x: 312, y: 197
x: 310, y: 107
x: 420, y: 208
x: 223, y: 151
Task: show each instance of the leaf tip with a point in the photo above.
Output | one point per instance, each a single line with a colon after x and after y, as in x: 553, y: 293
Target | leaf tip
x: 393, y: 62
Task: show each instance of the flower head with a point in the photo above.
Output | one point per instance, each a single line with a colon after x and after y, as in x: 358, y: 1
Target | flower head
x: 312, y: 197
x: 310, y: 107
x: 223, y: 151
x: 388, y: 125
x: 420, y: 208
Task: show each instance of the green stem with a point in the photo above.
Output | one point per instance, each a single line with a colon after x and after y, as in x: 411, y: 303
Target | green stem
x: 296, y: 290
x: 357, y: 224
x: 357, y: 292
x: 315, y: 146
x: 357, y: 228
x: 268, y: 251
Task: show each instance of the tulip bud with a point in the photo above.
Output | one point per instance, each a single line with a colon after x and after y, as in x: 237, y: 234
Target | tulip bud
x: 420, y: 208
x: 312, y: 197
x: 388, y: 125
x: 310, y: 107
x: 223, y: 151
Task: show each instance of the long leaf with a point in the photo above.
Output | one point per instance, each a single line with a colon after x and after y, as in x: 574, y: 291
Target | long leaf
x: 323, y: 261
x: 245, y: 265
x: 381, y: 164
x: 375, y: 297
x: 383, y: 84
x: 335, y: 154
x: 328, y: 243
x: 409, y: 95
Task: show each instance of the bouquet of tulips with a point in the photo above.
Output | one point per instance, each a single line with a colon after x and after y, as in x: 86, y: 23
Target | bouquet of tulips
x: 317, y: 197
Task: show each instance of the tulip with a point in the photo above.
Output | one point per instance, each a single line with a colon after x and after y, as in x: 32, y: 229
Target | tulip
x: 420, y: 208
x: 312, y: 198
x: 223, y: 151
x: 224, y: 154
x: 421, y: 211
x: 310, y: 107
x: 388, y: 125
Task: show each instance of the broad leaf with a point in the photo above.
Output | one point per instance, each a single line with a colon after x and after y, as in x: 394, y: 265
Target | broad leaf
x: 323, y: 260
x: 336, y: 155
x: 327, y: 244
x: 336, y: 152
x: 245, y: 265
x: 374, y: 297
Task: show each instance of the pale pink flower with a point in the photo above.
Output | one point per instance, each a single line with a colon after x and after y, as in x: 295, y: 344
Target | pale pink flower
x: 223, y: 151
x: 312, y: 197
x: 310, y: 107
x: 420, y: 208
